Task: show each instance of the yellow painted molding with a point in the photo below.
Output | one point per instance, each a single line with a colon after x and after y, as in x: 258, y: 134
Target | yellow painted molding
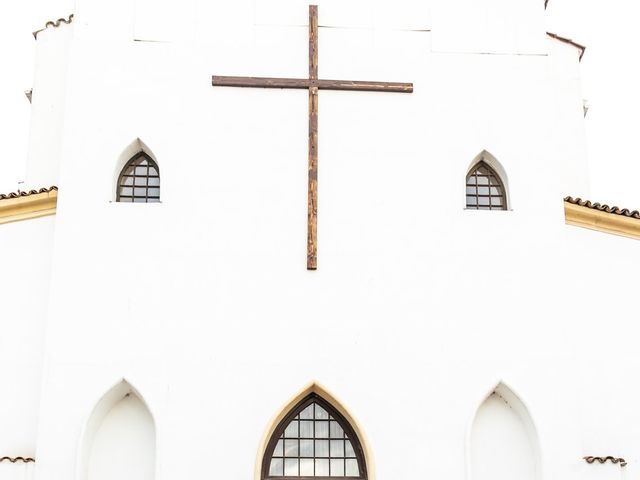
x: 601, y: 221
x: 30, y: 206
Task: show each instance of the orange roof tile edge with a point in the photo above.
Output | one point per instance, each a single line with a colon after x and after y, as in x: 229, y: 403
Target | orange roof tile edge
x: 17, y: 459
x: 54, y: 24
x: 20, y: 205
x: 602, y: 218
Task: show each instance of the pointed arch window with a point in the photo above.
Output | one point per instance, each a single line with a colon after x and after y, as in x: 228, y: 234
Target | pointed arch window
x: 314, y: 441
x: 139, y: 180
x: 485, y: 188
x: 120, y: 438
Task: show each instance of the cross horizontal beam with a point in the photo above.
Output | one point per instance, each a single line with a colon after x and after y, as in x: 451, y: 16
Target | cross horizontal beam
x: 303, y: 83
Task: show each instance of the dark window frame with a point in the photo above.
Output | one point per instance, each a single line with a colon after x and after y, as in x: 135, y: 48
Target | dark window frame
x: 133, y: 198
x: 493, y: 181
x: 349, y: 433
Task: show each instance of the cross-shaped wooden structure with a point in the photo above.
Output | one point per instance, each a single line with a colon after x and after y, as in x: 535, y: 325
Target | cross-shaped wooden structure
x: 313, y: 84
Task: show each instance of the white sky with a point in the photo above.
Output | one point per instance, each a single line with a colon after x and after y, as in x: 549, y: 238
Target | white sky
x: 610, y: 77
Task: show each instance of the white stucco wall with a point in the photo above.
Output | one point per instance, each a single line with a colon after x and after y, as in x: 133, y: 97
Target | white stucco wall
x: 25, y: 260
x: 47, y: 109
x: 419, y: 307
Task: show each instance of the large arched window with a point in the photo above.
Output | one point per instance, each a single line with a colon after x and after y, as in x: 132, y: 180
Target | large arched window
x: 139, y: 180
x: 485, y: 188
x: 314, y: 440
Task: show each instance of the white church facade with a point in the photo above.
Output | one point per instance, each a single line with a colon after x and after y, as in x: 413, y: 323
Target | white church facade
x: 262, y: 241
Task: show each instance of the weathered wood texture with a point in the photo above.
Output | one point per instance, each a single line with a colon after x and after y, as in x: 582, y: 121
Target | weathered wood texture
x: 312, y: 200
x: 312, y: 192
x: 313, y: 42
x: 313, y: 84
x: 303, y: 84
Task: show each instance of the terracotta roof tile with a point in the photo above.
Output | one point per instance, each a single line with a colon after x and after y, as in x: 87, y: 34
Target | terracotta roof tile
x: 603, y: 208
x: 54, y: 24
x: 613, y: 460
x: 19, y: 193
x: 17, y: 459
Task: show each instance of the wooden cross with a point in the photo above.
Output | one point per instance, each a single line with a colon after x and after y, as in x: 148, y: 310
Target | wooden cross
x: 313, y: 84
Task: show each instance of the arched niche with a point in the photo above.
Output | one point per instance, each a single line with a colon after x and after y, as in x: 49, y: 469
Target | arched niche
x: 496, y: 166
x: 137, y: 146
x: 314, y: 389
x: 503, y: 443
x: 119, y: 438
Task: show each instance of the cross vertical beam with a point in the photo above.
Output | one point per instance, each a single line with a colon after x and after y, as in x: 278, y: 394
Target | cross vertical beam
x: 313, y: 84
x: 312, y: 195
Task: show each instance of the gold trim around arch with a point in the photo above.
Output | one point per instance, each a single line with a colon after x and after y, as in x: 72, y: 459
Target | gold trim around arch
x: 25, y: 207
x: 318, y: 389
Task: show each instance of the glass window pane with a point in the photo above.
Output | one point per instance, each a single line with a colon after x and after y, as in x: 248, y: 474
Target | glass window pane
x: 491, y: 186
x: 337, y: 468
x: 307, y: 413
x: 322, y: 448
x: 153, y: 200
x: 322, y: 429
x: 352, y: 468
x: 126, y: 199
x: 275, y: 469
x: 337, y: 448
x: 306, y: 448
x: 321, y: 413
x: 471, y: 190
x: 306, y: 467
x: 349, y: 452
x: 322, y: 468
x: 291, y: 448
x: 306, y: 429
x: 292, y: 430
x: 278, y: 451
x: 141, y: 166
x: 312, y: 447
x: 336, y: 430
x: 291, y: 467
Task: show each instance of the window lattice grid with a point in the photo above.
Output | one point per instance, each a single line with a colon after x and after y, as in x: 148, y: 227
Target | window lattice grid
x: 139, y: 180
x: 314, y: 443
x: 485, y: 190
